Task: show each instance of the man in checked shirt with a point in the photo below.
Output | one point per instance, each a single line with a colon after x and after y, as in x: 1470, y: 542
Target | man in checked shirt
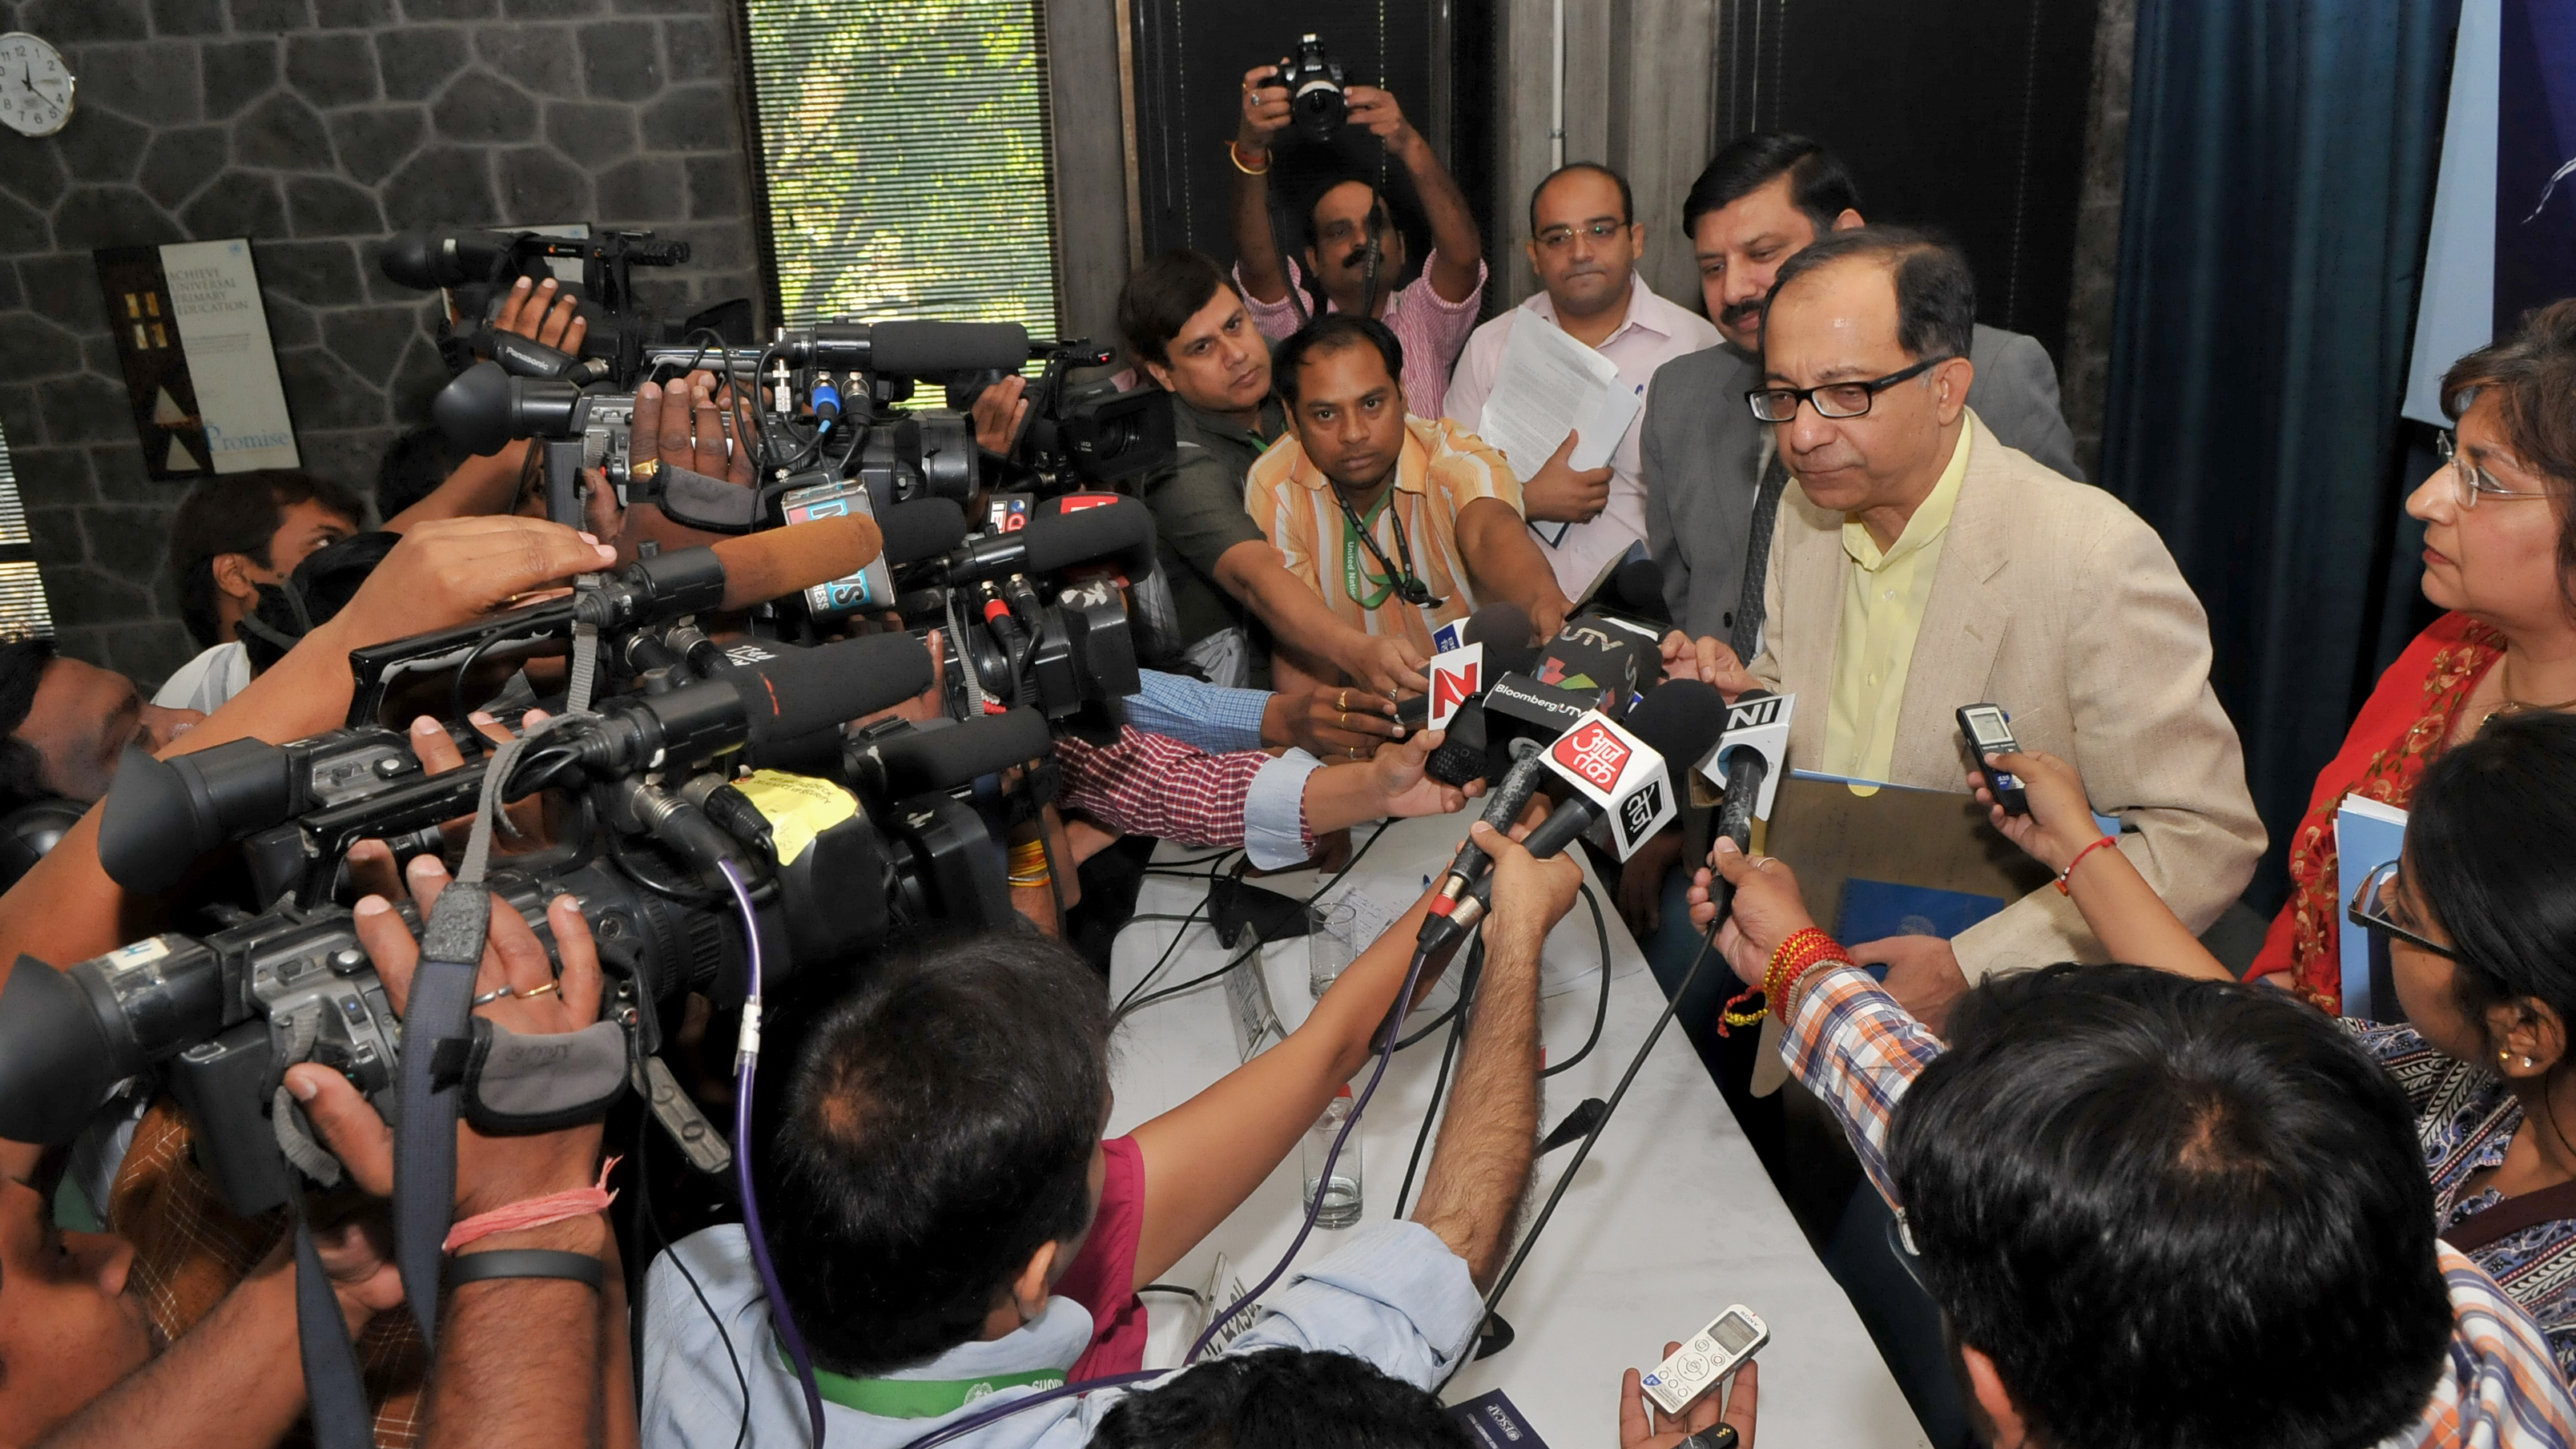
x: 2153, y: 1210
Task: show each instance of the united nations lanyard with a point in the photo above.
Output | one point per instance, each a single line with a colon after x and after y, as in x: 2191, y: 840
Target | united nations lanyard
x: 1357, y: 534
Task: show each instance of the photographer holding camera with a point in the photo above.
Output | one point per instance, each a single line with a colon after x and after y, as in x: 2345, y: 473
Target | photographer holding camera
x: 1352, y: 245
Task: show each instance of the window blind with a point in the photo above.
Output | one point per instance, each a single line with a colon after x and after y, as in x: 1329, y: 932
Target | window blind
x: 22, y: 593
x: 906, y: 158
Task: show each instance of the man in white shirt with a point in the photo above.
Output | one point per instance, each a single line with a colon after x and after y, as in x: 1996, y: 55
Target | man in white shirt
x: 1584, y: 244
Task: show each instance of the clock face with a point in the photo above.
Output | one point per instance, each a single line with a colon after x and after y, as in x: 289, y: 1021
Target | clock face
x: 35, y: 85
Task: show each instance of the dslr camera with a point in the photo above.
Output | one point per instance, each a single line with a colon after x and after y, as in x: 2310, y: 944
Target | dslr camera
x: 1313, y: 79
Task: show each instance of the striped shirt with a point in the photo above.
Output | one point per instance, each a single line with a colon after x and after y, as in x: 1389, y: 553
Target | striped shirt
x: 1430, y: 327
x: 1442, y: 469
x: 1851, y: 1045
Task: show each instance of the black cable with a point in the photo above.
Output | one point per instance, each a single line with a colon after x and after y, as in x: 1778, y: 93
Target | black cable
x: 1119, y: 1012
x: 456, y: 689
x: 1192, y: 1294
x: 1707, y: 947
x: 1437, y: 1022
x: 1129, y: 1003
x: 644, y: 1209
x: 1248, y: 953
x: 1601, y: 1003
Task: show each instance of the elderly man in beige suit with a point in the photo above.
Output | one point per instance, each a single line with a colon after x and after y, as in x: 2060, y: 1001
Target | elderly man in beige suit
x: 1921, y: 565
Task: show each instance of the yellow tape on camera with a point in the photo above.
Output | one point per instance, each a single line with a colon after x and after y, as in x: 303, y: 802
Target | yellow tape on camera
x: 798, y: 808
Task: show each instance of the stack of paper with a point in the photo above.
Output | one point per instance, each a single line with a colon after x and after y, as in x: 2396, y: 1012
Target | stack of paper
x: 1550, y: 385
x: 2368, y: 835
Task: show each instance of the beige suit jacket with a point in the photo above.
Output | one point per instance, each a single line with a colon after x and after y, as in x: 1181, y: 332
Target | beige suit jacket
x: 2055, y: 601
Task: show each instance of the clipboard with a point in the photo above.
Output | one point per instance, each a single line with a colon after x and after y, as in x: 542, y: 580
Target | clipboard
x: 1831, y: 834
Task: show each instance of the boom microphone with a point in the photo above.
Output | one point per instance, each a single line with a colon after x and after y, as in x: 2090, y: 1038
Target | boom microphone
x: 426, y: 259
x: 909, y: 349
x: 944, y: 754
x: 1120, y: 530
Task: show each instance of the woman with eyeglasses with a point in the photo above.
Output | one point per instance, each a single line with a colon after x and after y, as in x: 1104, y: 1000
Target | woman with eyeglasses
x: 2500, y: 555
x: 2480, y: 919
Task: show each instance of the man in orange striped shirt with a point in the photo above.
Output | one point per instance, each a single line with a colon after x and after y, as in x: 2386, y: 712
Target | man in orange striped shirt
x: 1401, y: 524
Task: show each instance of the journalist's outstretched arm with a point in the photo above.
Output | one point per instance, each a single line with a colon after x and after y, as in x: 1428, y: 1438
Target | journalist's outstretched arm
x: 444, y: 572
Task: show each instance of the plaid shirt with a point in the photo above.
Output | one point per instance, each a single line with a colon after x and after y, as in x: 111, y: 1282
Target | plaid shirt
x: 1857, y: 1050
x: 1153, y: 785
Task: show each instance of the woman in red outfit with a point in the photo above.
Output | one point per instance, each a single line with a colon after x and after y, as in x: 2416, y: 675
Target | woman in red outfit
x: 2500, y: 555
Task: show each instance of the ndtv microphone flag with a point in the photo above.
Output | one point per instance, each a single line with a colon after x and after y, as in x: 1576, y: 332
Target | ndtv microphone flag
x: 1456, y: 677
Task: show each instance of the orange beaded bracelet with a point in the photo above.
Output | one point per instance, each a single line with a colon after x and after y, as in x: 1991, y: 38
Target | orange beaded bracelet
x: 1792, y: 959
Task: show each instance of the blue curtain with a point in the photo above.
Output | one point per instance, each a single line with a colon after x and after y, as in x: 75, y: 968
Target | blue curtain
x: 2280, y: 179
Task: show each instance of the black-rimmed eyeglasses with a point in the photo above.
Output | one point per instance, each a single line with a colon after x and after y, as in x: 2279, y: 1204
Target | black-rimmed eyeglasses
x: 1832, y: 399
x: 2369, y: 909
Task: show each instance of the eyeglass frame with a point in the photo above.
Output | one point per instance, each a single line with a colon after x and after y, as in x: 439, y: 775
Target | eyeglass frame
x: 2376, y: 918
x: 2470, y: 478
x: 1559, y: 235
x: 1870, y: 389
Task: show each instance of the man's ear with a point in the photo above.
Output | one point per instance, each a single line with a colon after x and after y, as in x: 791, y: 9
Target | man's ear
x: 1030, y: 1290
x: 1953, y: 377
x: 2011, y: 1430
x: 1161, y: 375
x: 1848, y: 220
x: 232, y: 577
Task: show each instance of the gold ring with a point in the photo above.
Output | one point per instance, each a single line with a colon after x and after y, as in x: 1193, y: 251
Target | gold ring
x: 638, y: 472
x: 1761, y: 862
x: 1343, y: 701
x: 533, y: 992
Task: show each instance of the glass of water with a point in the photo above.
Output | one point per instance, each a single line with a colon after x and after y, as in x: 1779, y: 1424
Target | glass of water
x: 1341, y: 1207
x: 1332, y: 939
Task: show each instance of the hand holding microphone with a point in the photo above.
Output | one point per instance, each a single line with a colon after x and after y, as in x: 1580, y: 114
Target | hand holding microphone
x: 1765, y: 907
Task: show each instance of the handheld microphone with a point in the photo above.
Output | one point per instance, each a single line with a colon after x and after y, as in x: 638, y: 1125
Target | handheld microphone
x: 1609, y: 660
x: 1503, y: 629
x: 1637, y: 587
x: 777, y: 562
x: 1749, y: 760
x: 924, y: 528
x: 1510, y: 796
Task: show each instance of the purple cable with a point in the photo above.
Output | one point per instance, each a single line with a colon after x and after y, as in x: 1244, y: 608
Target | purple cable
x: 746, y: 1062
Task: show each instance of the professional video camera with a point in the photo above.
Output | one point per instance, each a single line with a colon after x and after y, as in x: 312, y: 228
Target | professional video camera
x: 1078, y: 435
x: 1313, y: 80
x: 477, y: 267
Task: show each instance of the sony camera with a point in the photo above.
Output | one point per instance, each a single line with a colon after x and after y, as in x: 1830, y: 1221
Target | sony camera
x: 1313, y: 79
x: 1082, y: 435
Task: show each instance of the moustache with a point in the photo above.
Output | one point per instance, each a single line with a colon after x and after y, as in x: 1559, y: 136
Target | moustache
x: 1741, y: 313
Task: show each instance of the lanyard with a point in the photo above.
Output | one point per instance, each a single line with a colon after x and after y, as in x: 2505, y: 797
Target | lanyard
x: 1356, y: 533
x: 924, y: 1398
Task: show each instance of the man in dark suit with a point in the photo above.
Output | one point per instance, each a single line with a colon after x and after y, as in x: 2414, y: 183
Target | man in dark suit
x: 1705, y: 461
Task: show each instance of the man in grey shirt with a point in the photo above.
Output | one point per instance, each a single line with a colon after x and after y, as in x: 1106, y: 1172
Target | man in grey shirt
x: 1708, y: 465
x: 937, y: 1175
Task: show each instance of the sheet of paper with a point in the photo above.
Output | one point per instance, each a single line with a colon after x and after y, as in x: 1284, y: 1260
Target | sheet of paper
x: 1549, y: 385
x: 1608, y: 423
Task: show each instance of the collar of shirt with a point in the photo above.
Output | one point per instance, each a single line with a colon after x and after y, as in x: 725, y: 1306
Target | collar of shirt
x: 1929, y: 522
x: 1273, y: 418
x: 1647, y: 312
x: 1412, y: 465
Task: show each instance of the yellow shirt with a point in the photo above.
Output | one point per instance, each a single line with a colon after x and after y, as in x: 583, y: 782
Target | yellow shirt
x: 1441, y: 470
x: 1882, y: 613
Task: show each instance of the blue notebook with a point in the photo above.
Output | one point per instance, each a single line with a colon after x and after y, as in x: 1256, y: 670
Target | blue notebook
x: 1875, y: 909
x: 2368, y: 834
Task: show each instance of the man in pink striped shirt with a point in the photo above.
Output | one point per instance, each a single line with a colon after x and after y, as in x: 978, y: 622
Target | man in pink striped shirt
x: 1431, y: 315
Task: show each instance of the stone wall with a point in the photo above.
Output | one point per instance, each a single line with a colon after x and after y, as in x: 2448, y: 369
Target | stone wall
x: 316, y: 127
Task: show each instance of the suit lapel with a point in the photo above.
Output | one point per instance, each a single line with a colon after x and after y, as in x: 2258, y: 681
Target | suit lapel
x: 1812, y: 599
x: 1963, y: 622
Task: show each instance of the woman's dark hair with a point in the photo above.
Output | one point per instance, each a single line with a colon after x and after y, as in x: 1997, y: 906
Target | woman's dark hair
x: 1936, y: 294
x: 22, y: 767
x: 2533, y: 375
x: 937, y: 1129
x: 1819, y: 184
x: 2489, y: 840
x: 1282, y: 1398
x: 1162, y: 296
x: 2174, y: 1213
x: 315, y: 593
x: 238, y: 513
x: 1331, y: 333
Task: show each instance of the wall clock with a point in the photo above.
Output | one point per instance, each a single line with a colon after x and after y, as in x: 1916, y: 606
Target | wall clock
x: 35, y: 85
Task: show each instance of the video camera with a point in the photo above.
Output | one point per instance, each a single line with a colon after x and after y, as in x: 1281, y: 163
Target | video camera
x: 1080, y: 435
x: 478, y: 267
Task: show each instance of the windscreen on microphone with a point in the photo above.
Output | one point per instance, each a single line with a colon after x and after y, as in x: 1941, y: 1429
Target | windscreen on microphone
x: 959, y: 754
x: 1499, y: 625
x: 923, y: 528
x: 1638, y: 588
x: 1680, y: 719
x: 928, y: 348
x: 1120, y: 531
x: 777, y: 562
x: 426, y: 259
x: 801, y: 691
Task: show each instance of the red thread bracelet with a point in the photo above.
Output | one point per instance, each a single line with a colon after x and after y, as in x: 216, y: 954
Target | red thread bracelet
x: 2110, y: 840
x: 535, y: 1212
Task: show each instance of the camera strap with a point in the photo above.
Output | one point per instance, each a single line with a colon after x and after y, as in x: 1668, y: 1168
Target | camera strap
x: 335, y: 1394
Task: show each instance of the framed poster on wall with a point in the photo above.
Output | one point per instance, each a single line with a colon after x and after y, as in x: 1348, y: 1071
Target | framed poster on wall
x: 193, y: 337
